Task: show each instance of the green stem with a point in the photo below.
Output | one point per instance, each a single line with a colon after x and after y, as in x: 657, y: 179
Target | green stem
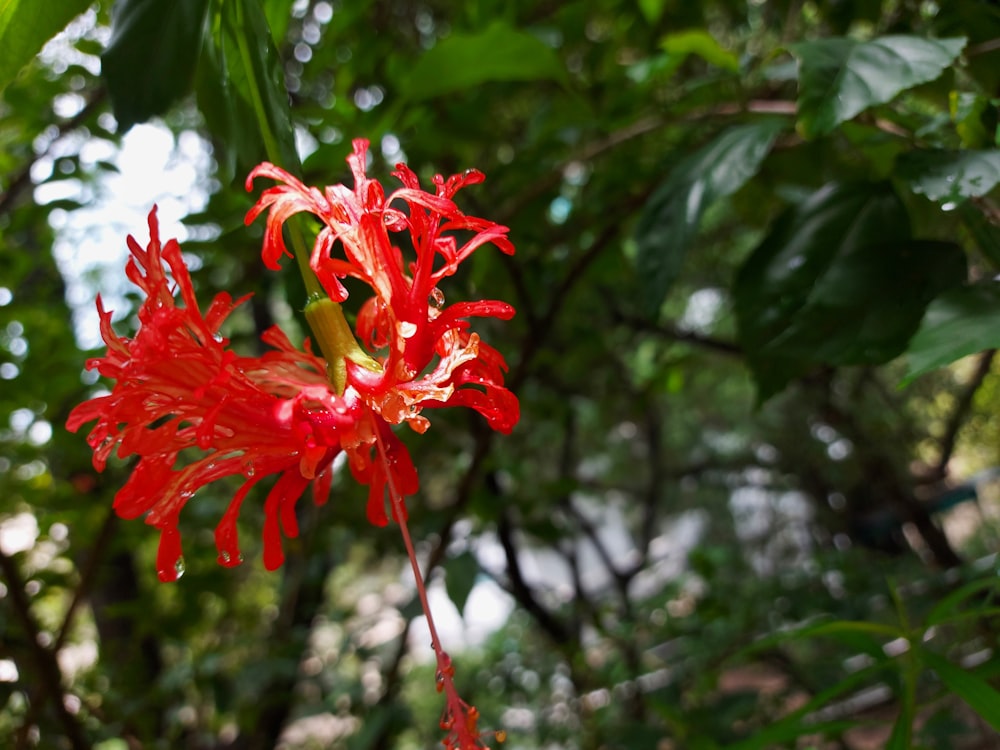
x: 299, y: 249
x: 336, y: 340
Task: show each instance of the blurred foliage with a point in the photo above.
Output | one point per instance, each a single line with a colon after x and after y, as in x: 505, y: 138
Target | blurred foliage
x: 720, y: 523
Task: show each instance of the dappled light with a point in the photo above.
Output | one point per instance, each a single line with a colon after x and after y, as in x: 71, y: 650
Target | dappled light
x: 297, y: 452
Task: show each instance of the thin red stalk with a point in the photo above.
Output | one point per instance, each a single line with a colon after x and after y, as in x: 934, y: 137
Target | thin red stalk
x: 458, y: 717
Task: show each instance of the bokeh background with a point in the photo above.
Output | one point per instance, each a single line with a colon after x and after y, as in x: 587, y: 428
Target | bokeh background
x: 751, y: 501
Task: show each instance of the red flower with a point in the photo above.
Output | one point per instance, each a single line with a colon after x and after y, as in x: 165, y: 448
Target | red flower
x: 178, y: 386
x: 180, y: 389
x: 406, y: 318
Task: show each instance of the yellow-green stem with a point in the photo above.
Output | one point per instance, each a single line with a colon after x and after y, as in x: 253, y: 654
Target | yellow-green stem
x: 336, y: 340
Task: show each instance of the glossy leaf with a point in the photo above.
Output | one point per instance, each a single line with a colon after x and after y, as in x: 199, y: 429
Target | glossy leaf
x: 838, y: 281
x: 670, y: 218
x: 464, y: 61
x: 960, y: 322
x: 242, y: 92
x: 950, y: 177
x: 25, y: 27
x: 840, y: 78
x: 149, y: 64
x: 976, y: 692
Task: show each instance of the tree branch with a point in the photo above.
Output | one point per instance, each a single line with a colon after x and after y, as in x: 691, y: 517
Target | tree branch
x: 520, y: 589
x: 672, y: 333
x: 45, y: 660
x: 958, y: 416
x: 21, y: 181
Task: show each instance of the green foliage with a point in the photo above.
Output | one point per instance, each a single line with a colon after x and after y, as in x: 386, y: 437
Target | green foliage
x: 673, y: 213
x: 698, y: 42
x: 840, y: 78
x: 950, y: 177
x: 148, y: 64
x: 715, y: 472
x: 461, y: 573
x: 838, y: 281
x: 464, y: 61
x: 960, y: 322
x: 25, y: 26
x: 242, y: 89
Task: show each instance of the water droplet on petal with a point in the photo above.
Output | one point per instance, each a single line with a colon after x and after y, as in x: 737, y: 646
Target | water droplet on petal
x: 436, y: 298
x: 172, y: 575
x: 439, y: 679
x: 407, y: 329
x: 248, y: 469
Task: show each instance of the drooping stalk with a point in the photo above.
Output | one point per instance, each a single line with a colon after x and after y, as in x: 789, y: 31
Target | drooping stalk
x: 459, y: 718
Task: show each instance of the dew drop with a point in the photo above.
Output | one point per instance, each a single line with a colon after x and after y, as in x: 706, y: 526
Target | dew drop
x: 407, y: 329
x: 436, y: 298
x: 228, y: 560
x: 248, y: 469
x: 172, y: 574
x: 439, y: 679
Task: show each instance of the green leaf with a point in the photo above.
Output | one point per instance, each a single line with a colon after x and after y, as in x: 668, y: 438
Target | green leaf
x: 701, y: 43
x: 981, y: 697
x: 149, y: 64
x: 652, y: 10
x: 902, y: 729
x: 948, y: 607
x: 960, y: 322
x: 838, y: 281
x: 799, y: 722
x: 25, y: 27
x: 460, y: 578
x: 464, y: 61
x: 840, y: 77
x: 241, y: 90
x: 950, y: 177
x: 671, y: 217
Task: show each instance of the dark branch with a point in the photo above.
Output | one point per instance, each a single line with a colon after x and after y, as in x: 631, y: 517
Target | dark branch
x: 21, y: 181
x: 961, y: 412
x: 45, y: 660
x: 520, y: 589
